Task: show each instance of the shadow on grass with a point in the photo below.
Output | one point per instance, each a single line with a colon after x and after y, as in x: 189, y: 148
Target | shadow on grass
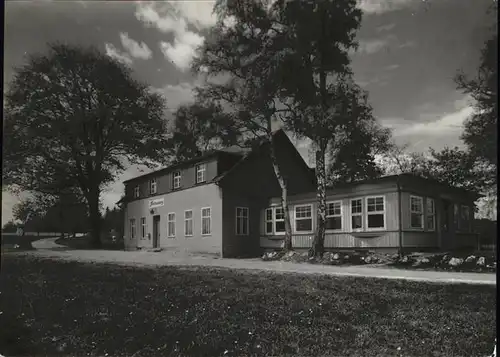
x: 77, y: 309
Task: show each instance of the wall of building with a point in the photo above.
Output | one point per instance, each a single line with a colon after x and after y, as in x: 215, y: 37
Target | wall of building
x: 452, y: 238
x: 240, y: 245
x: 338, y: 241
x: 345, y: 238
x: 195, y: 198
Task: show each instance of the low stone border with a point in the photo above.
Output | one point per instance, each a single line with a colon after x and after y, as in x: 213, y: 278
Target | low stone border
x: 420, y: 261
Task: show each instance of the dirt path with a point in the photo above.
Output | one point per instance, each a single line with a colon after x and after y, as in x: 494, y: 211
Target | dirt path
x: 48, y: 248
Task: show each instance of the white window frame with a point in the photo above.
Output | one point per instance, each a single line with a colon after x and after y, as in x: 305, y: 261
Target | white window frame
x: 356, y: 214
x: 469, y: 221
x: 384, y: 212
x: 176, y: 180
x: 341, y: 215
x: 192, y: 223
x: 430, y: 214
x: 266, y: 221
x: 276, y: 220
x: 153, y: 186
x: 303, y: 218
x: 144, y: 232
x: 205, y: 217
x: 132, y: 228
x: 273, y: 220
x: 169, y: 222
x: 137, y: 192
x: 201, y: 169
x: 422, y: 212
x: 242, y: 218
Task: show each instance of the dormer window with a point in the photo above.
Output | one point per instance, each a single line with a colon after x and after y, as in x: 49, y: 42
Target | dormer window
x: 152, y: 186
x: 200, y: 173
x: 176, y: 180
x: 136, y: 192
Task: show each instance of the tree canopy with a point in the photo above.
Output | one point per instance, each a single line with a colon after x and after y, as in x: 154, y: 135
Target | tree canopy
x: 480, y: 132
x: 73, y: 118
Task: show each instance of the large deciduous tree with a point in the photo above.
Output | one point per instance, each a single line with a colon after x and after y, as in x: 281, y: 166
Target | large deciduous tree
x: 347, y: 114
x: 313, y: 72
x: 480, y: 130
x: 239, y: 60
x: 199, y: 128
x: 73, y: 118
x: 356, y: 159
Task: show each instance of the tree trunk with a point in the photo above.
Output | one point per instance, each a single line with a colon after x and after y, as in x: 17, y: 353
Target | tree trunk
x: 318, y: 244
x: 95, y: 219
x: 284, y: 194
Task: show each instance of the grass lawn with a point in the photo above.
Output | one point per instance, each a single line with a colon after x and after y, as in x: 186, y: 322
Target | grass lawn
x: 75, y: 309
x: 24, y: 242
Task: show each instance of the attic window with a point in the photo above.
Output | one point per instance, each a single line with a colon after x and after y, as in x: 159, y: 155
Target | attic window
x: 177, y: 179
x: 136, y: 192
x: 152, y: 186
x: 200, y: 173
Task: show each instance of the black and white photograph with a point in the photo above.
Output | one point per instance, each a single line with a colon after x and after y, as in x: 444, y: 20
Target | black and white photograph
x: 249, y: 178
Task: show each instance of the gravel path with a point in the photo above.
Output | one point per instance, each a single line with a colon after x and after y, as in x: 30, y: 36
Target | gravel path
x: 48, y: 248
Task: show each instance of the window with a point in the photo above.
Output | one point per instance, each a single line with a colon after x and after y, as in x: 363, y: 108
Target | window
x: 200, y: 173
x: 171, y: 225
x: 375, y: 212
x: 279, y: 220
x: 303, y: 218
x: 188, y: 223
x: 136, y: 192
x: 334, y: 215
x: 143, y: 228
x: 275, y: 220
x: 357, y: 214
x: 152, y: 186
x: 416, y: 212
x: 269, y: 221
x: 206, y: 221
x: 465, y: 223
x: 242, y: 221
x: 132, y: 228
x: 176, y: 180
x: 431, y: 215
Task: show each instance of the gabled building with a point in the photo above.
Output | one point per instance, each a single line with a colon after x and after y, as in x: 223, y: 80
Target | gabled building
x: 227, y: 203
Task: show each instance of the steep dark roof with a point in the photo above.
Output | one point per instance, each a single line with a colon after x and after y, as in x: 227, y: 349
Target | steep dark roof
x: 236, y: 150
x: 208, y: 155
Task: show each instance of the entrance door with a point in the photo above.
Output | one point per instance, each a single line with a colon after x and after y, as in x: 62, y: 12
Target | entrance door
x: 156, y: 231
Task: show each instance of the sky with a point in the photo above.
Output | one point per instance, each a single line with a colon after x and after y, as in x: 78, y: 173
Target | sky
x: 409, y: 51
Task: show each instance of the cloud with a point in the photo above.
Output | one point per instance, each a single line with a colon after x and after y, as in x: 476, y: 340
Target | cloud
x: 382, y: 6
x: 407, y: 44
x: 177, y: 95
x: 137, y: 50
x: 112, y: 52
x: 391, y: 67
x: 183, y: 50
x: 175, y: 18
x: 386, y: 27
x: 431, y: 129
x: 371, y: 46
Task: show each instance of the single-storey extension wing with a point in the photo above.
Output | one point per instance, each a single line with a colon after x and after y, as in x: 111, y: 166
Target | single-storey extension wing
x: 392, y: 213
x: 227, y: 203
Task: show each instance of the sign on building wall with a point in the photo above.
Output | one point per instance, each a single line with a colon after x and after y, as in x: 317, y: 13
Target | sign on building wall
x: 156, y: 203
